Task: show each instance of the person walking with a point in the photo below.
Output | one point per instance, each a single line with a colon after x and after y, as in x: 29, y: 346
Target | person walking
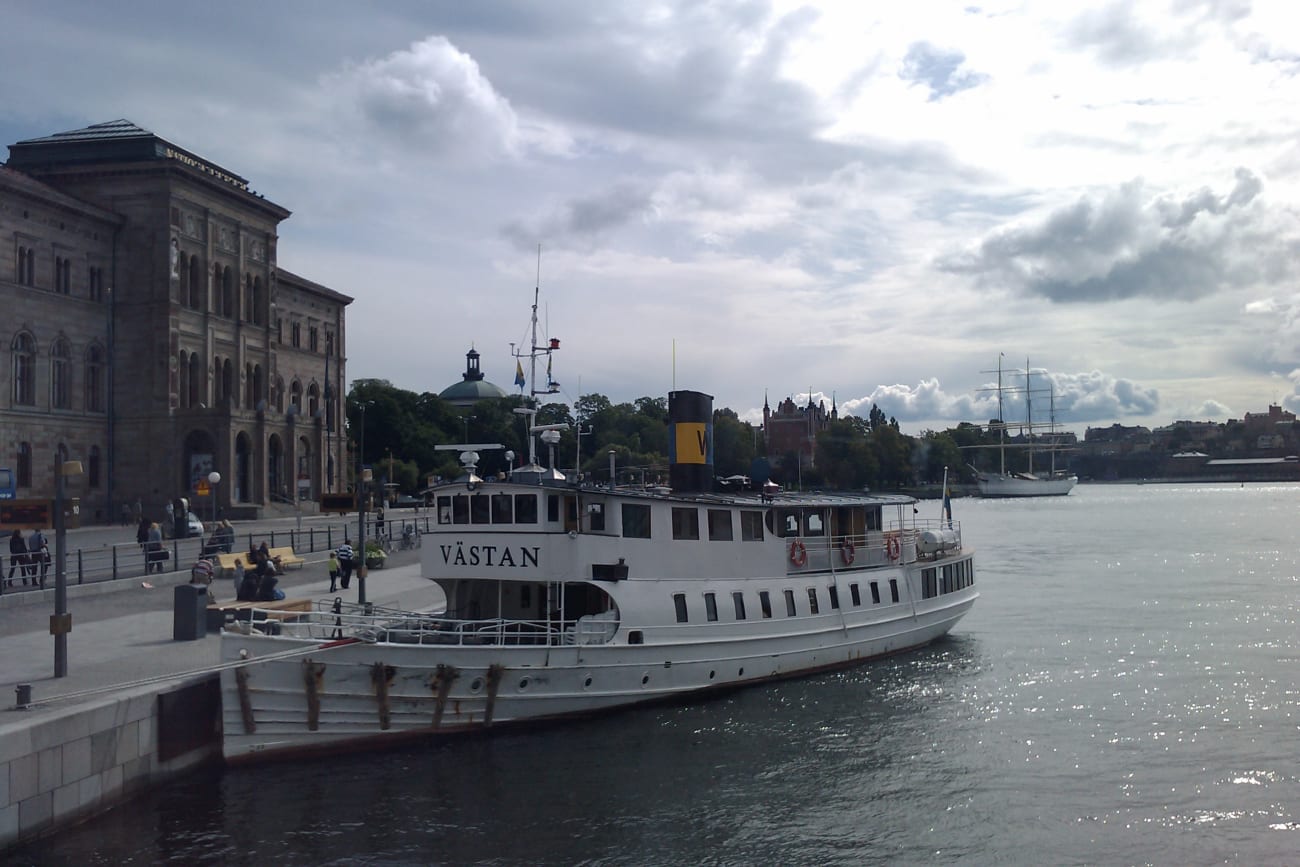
x: 345, y: 555
x: 154, y: 553
x: 38, y: 555
x: 17, y: 557
x: 334, y: 571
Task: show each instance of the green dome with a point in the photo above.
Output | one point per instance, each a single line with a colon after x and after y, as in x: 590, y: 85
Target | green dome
x: 473, y: 387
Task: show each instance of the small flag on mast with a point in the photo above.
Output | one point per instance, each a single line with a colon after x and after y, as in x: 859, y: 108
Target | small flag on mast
x: 519, y: 373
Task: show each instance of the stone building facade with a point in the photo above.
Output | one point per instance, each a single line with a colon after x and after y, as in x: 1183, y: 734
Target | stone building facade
x: 793, y: 429
x: 157, y: 340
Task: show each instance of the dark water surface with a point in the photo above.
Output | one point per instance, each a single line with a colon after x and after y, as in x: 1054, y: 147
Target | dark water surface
x: 1125, y: 691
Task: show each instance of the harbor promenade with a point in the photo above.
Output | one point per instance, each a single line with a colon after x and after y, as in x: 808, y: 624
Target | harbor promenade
x: 132, y: 692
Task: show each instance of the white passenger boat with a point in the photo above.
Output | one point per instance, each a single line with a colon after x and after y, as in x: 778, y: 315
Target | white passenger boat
x: 564, y: 599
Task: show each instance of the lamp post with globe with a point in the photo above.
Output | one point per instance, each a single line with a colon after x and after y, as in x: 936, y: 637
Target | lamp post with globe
x: 214, y: 479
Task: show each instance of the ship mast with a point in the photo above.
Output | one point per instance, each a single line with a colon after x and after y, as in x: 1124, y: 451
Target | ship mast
x: 535, y: 351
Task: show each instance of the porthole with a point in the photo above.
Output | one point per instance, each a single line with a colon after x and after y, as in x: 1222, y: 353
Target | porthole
x: 523, y: 684
x: 476, y: 684
x: 645, y: 678
x: 586, y: 684
x: 740, y: 673
x: 712, y: 674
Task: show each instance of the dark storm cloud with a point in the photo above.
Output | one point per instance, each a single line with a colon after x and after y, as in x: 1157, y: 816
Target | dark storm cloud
x: 938, y: 70
x: 1123, y: 246
x: 582, y: 219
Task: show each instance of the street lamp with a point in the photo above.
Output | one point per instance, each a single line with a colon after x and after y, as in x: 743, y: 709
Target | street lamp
x: 214, y: 479
x: 363, y: 476
x: 61, y: 621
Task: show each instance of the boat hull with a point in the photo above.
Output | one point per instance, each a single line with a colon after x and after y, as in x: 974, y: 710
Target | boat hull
x: 302, y: 697
x: 1018, y: 486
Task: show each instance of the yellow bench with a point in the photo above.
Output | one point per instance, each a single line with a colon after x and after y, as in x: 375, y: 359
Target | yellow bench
x: 278, y: 609
x: 285, y: 557
x: 226, y: 562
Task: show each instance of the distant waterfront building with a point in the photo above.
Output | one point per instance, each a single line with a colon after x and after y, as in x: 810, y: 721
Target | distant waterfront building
x: 152, y: 335
x: 793, y: 429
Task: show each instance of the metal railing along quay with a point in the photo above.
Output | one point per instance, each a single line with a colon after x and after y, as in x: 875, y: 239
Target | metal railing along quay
x: 127, y: 560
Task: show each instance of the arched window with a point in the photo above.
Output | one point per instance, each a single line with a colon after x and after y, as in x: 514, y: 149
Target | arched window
x: 313, y: 400
x: 198, y: 381
x: 248, y: 298
x: 259, y: 385
x: 227, y: 380
x: 277, y: 396
x: 23, y: 468
x: 94, y: 378
x: 92, y: 470
x: 226, y: 281
x: 196, y: 283
x: 295, y: 394
x: 216, y: 380
x: 23, y: 350
x: 249, y: 403
x: 259, y: 300
x: 183, y: 377
x: 60, y: 374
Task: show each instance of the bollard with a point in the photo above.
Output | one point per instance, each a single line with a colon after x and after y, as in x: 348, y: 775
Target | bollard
x: 24, y: 692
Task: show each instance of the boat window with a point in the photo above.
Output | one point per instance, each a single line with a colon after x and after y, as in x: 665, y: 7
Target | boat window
x: 765, y: 603
x: 814, y: 525
x: 928, y: 587
x: 719, y: 525
x: 686, y: 523
x: 710, y: 607
x: 526, y: 596
x: 444, y: 509
x: 789, y: 603
x: 856, y: 594
x: 460, y: 509
x: 787, y: 523
x: 738, y: 599
x: 679, y: 602
x: 553, y: 508
x: 946, y: 585
x: 835, y: 596
x: 893, y: 589
x: 751, y: 526
x: 873, y: 518
x: 596, y: 517
x: 480, y: 510
x: 875, y: 593
x: 812, y: 600
x: 525, y: 508
x: 503, y: 511
x: 636, y: 521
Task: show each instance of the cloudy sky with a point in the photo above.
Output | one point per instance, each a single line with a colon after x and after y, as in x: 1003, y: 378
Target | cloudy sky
x: 748, y: 198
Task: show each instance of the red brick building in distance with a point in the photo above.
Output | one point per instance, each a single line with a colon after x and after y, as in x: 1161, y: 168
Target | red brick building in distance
x: 791, y: 428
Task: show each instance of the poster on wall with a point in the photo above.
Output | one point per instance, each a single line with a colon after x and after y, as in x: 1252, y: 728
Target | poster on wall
x: 200, y: 466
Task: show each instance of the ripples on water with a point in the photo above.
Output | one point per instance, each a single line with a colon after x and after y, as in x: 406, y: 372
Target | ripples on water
x: 1124, y: 692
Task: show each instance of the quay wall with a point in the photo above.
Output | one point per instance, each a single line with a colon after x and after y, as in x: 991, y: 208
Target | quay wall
x: 59, y: 766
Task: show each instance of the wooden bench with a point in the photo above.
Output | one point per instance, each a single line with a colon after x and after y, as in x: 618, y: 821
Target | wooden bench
x: 226, y: 562
x: 219, y: 613
x: 285, y: 557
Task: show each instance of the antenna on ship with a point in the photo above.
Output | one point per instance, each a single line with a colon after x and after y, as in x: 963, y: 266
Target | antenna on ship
x: 529, y: 409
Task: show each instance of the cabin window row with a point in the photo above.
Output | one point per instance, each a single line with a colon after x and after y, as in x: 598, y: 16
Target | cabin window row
x: 719, y: 524
x: 788, y: 601
x: 489, y: 509
x: 949, y: 578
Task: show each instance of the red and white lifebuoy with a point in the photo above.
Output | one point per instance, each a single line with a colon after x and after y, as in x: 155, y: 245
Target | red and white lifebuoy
x: 798, y: 553
x: 894, y: 547
x: 848, y: 552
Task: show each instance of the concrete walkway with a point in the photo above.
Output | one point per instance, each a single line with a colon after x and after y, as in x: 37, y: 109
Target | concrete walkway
x: 122, y: 630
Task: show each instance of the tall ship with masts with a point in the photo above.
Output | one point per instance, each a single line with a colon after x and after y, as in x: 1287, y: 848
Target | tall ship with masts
x: 1029, y: 482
